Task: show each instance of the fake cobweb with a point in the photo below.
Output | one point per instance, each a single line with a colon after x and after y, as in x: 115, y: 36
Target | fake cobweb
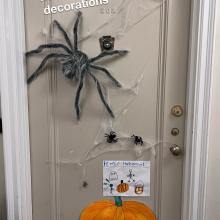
x: 128, y: 14
x: 125, y: 141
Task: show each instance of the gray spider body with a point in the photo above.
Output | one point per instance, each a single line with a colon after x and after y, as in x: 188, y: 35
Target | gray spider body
x: 76, y: 64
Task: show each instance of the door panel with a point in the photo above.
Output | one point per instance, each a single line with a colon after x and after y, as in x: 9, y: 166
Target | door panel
x: 157, y: 64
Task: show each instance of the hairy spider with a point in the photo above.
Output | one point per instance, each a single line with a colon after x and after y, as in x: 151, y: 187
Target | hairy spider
x: 76, y: 64
x: 111, y: 137
x: 137, y: 140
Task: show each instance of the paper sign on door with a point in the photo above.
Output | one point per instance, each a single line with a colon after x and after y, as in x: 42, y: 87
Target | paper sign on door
x: 126, y: 178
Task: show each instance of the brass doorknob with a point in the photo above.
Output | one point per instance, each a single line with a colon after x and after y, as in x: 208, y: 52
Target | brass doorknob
x: 177, y: 110
x: 176, y: 150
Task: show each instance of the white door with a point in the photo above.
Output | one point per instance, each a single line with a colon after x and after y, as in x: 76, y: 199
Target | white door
x: 66, y: 154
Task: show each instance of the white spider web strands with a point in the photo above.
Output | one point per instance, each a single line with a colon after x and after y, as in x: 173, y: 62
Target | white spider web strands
x: 125, y: 142
x: 100, y: 146
x: 128, y: 14
x: 132, y: 90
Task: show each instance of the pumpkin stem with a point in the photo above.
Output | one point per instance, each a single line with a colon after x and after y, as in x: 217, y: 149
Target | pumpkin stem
x: 118, y: 201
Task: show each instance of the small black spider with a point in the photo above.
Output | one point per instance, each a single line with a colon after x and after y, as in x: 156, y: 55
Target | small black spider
x: 85, y: 184
x: 137, y: 140
x: 76, y: 64
x: 111, y: 137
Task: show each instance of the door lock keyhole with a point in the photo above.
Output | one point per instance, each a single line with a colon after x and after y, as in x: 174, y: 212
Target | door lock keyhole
x: 175, y: 131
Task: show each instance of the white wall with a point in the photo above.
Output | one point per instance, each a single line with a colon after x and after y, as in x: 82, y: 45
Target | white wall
x: 213, y: 184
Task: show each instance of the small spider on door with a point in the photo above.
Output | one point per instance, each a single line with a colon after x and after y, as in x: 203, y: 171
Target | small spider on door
x: 137, y: 140
x: 111, y: 137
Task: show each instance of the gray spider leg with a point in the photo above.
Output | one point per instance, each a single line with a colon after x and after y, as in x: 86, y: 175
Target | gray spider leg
x: 45, y: 46
x: 102, y: 95
x: 64, y: 34
x: 75, y: 30
x: 44, y: 61
x: 108, y: 53
x: 107, y: 73
x: 81, y: 83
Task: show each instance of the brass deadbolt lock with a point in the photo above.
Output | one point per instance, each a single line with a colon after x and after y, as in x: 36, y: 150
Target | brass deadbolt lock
x: 175, y: 131
x: 177, y: 111
x: 107, y: 43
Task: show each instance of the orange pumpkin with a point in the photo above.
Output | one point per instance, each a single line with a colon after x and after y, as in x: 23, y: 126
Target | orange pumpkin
x: 108, y: 210
x: 122, y: 187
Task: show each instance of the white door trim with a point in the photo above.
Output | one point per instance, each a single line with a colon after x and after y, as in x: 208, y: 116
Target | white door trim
x: 15, y: 109
x: 198, y: 108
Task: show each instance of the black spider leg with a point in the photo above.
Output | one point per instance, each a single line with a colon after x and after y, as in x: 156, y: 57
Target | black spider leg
x: 45, y: 46
x: 108, y: 74
x: 102, y: 97
x: 108, y: 53
x: 40, y: 67
x: 64, y: 34
x: 78, y: 92
x: 75, y: 31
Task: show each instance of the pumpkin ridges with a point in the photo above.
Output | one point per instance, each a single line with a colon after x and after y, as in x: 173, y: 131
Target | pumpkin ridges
x: 90, y: 208
x: 140, y: 206
x: 119, y: 215
x: 93, y: 209
x: 100, y: 204
x: 140, y: 215
x: 128, y: 215
x: 145, y: 212
x: 92, y: 214
x: 134, y: 203
x: 137, y: 204
x: 106, y: 213
x: 144, y: 209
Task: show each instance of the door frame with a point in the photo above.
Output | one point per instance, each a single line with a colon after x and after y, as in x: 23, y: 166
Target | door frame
x: 200, y: 73
x: 15, y: 109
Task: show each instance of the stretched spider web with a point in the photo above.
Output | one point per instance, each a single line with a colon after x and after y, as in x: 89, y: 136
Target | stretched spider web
x: 128, y: 14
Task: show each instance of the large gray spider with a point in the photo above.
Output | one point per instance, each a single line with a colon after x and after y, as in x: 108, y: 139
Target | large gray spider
x: 76, y: 64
